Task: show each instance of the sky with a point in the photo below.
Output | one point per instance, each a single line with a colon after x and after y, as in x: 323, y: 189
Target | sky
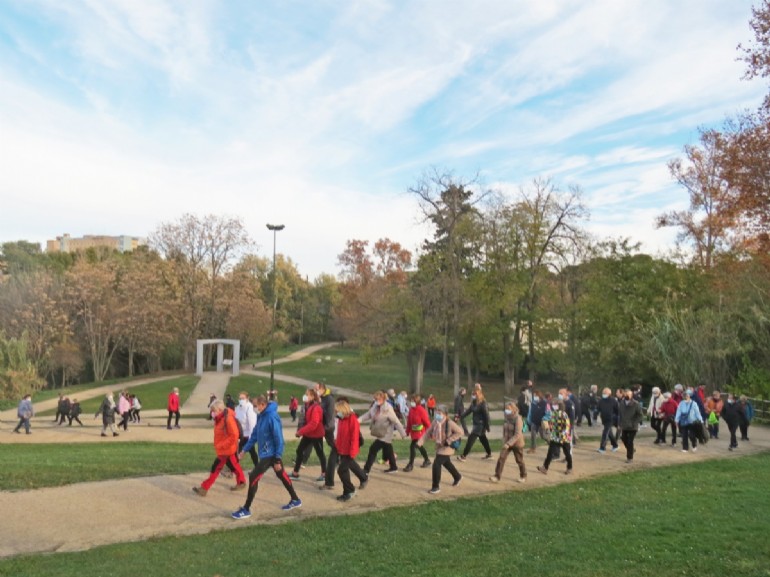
x: 119, y: 115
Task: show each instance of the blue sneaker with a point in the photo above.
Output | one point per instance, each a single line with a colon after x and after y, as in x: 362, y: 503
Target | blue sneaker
x: 241, y: 513
x: 293, y: 504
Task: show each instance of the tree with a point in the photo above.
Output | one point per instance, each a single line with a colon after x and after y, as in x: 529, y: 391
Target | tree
x: 17, y: 372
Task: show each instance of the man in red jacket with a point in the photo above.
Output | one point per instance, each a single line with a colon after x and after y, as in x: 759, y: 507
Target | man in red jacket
x: 173, y: 408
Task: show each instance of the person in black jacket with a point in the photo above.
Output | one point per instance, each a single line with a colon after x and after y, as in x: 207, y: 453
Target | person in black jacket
x: 459, y: 409
x: 731, y: 415
x: 480, y: 428
x: 535, y: 419
x: 608, y: 412
x: 327, y: 404
x: 75, y: 412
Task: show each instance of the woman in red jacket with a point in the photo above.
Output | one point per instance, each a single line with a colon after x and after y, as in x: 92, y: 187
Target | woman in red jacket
x: 348, y: 445
x: 416, y: 424
x: 312, y: 434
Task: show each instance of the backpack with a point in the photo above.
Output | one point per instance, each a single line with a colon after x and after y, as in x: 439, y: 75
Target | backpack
x: 237, y: 422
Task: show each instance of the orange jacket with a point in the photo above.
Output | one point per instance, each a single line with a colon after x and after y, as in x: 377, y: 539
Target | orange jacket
x: 226, y: 435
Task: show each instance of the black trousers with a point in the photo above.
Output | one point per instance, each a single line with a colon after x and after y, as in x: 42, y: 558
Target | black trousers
x: 664, y: 428
x: 627, y: 436
x: 472, y: 439
x: 446, y: 462
x: 331, y: 463
x: 176, y: 420
x: 259, y: 471
x: 387, y: 454
x: 348, y: 464
x: 252, y: 451
x: 318, y: 445
x: 553, y: 448
x: 413, y: 448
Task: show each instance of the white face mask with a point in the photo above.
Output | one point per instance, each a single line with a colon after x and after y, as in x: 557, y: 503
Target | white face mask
x: 242, y: 402
x: 508, y: 411
x: 413, y: 404
x: 305, y: 398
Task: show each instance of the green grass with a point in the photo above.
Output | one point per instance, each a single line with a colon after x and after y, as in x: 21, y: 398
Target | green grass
x: 259, y: 385
x: 661, y: 522
x: 151, y: 395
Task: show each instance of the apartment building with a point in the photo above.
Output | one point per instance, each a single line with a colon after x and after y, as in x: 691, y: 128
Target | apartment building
x: 66, y: 243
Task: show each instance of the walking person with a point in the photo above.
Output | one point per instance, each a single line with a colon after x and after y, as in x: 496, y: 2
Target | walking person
x: 714, y: 406
x: 107, y: 411
x: 124, y: 406
x: 446, y: 434
x: 535, y: 417
x: 631, y: 416
x: 668, y: 408
x: 247, y: 417
x: 745, y: 415
x: 561, y: 437
x: 513, y: 442
x: 63, y: 409
x: 655, y: 412
x: 384, y: 423
x: 136, y: 409
x: 730, y: 413
x: 417, y: 423
x: 268, y: 438
x: 293, y: 406
x: 329, y: 421
x: 480, y: 428
x: 75, y: 412
x: 173, y: 408
x: 608, y: 412
x: 311, y: 433
x: 431, y: 405
x: 348, y: 446
x: 688, y: 416
x: 459, y: 409
x: 226, y: 438
x: 24, y: 412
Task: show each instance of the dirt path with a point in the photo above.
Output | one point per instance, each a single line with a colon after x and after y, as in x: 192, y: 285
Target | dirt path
x: 83, y: 516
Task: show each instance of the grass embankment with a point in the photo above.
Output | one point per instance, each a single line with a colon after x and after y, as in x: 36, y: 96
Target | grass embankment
x: 658, y: 522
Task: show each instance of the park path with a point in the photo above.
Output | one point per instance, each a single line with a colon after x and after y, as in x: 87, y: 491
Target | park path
x: 82, y: 516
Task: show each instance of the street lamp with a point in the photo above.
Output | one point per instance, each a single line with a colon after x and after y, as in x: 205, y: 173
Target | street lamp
x: 275, y: 228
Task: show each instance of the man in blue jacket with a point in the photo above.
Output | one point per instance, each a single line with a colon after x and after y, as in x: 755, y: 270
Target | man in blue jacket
x: 268, y: 437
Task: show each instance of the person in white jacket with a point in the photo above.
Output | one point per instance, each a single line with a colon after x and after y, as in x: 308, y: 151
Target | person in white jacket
x: 656, y: 414
x: 383, y: 424
x: 247, y: 417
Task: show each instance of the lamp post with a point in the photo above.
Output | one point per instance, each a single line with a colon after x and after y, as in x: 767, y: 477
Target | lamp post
x: 275, y: 228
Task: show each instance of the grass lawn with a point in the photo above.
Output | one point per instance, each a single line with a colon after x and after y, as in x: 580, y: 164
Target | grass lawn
x: 152, y: 395
x: 259, y: 385
x: 661, y: 522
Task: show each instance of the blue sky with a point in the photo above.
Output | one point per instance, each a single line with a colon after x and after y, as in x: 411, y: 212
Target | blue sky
x: 117, y: 115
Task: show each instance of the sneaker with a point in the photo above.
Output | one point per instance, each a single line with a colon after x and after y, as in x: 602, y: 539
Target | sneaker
x: 238, y: 487
x: 169, y: 428
x: 326, y: 487
x: 346, y: 497
x: 530, y: 451
x: 426, y: 463
x: 568, y: 472
x: 294, y: 475
x: 242, y: 513
x: 602, y: 451
x: 391, y: 470
x: 461, y: 458
x: 487, y: 457
x: 177, y: 427
x: 521, y: 480
x: 363, y: 484
x: 614, y: 449
x: 103, y: 434
x: 113, y: 434
x: 730, y: 448
x: 494, y: 479
x: 408, y: 468
x: 457, y: 481
x: 694, y: 449
x: 543, y: 470
x: 684, y: 450
x: 321, y: 477
x: 200, y: 491
x: 293, y: 504
x: 435, y: 491
x: 629, y: 461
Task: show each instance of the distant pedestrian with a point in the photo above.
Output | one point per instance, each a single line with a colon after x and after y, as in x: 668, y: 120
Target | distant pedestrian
x: 714, y: 406
x: 348, y: 443
x: 384, y: 423
x: 445, y: 433
x: 293, y: 406
x: 745, y: 415
x: 431, y: 405
x: 459, y: 409
x: 513, y: 442
x: 668, y: 408
x: 655, y: 412
x: 731, y: 415
x: 688, y: 418
x: 631, y: 416
x: 124, y: 408
x: 75, y: 412
x: 537, y: 411
x: 481, y: 425
x: 63, y: 409
x: 560, y: 427
x: 107, y: 411
x: 417, y: 424
x: 311, y: 434
x: 136, y: 409
x: 608, y: 412
x: 25, y: 412
x: 173, y: 408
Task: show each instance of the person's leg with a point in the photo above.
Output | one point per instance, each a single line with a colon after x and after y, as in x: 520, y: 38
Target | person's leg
x: 412, y: 453
x: 549, y: 455
x: 344, y: 474
x: 605, y: 435
x: 733, y: 438
x: 518, y: 454
x: 390, y: 457
x: 469, y: 444
x: 674, y: 429
x: 304, y: 442
x: 438, y: 462
x: 168, y: 421
x: 684, y: 431
x: 254, y: 477
x: 177, y: 414
x: 424, y: 455
x: 630, y: 448
x: 449, y: 466
x: 356, y: 469
x: 216, y: 468
x: 318, y: 445
x: 533, y: 431
x: 280, y: 472
x: 331, y: 463
x: 374, y: 448
x: 485, y: 443
x: 567, y: 448
x: 501, y: 462
x: 235, y: 467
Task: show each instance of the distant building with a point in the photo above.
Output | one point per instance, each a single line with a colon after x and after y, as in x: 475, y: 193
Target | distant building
x: 66, y: 243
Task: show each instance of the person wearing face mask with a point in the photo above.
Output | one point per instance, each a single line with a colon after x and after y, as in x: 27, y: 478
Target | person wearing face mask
x: 537, y: 411
x: 480, y: 428
x: 714, y: 408
x: 246, y: 416
x: 698, y: 428
x: 459, y: 409
x: 608, y: 412
x: 293, y: 406
x: 268, y: 437
x: 226, y: 437
x: 687, y: 416
x: 561, y: 437
x: 513, y: 442
x: 444, y: 432
x: 631, y: 416
x: 329, y: 421
x: 403, y: 406
x: 416, y: 424
x: 430, y: 404
x: 383, y: 424
x: 348, y: 447
x: 656, y: 415
x: 311, y: 433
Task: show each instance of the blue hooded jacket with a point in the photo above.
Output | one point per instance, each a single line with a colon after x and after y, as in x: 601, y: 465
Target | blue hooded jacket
x: 268, y: 434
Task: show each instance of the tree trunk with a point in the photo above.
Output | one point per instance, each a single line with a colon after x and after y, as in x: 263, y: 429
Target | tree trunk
x: 445, y: 356
x: 508, y: 370
x: 456, y: 367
